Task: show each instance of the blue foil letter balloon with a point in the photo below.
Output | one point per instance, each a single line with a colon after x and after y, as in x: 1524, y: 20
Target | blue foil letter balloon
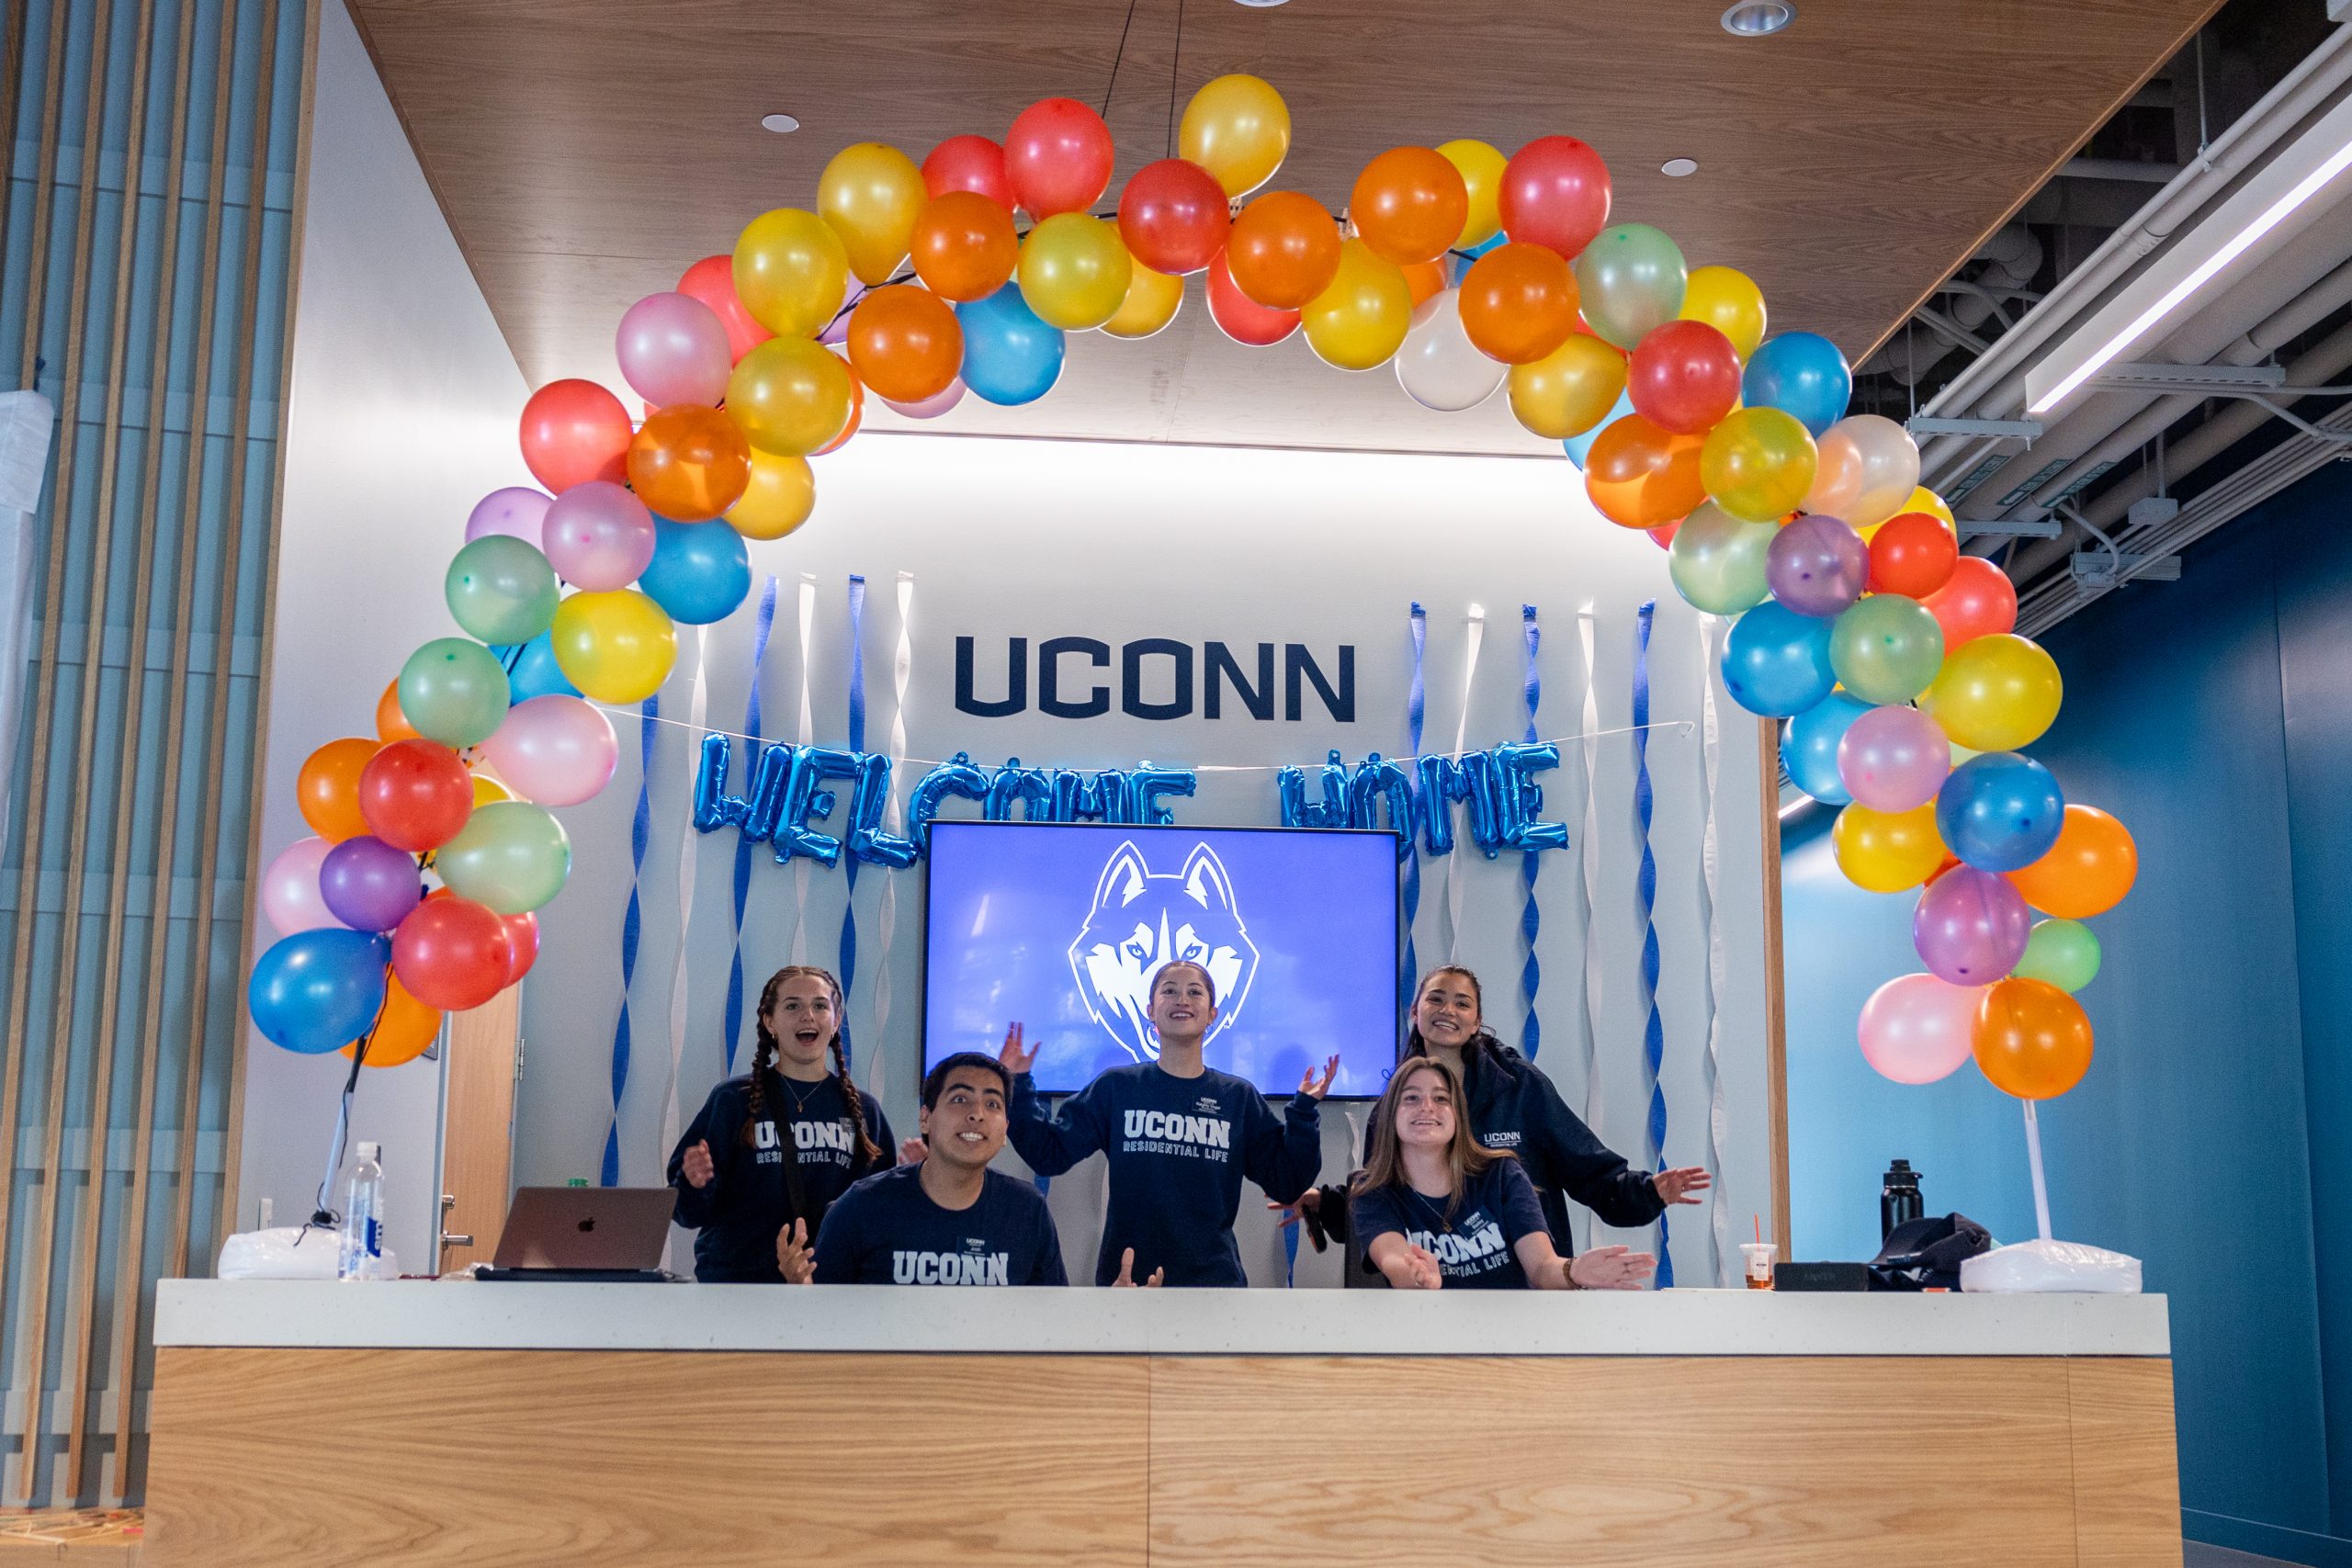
x: 955, y: 777
x: 1147, y: 783
x: 867, y: 839
x: 1033, y: 787
x: 1471, y: 779
x: 1331, y: 811
x: 813, y: 765
x: 1521, y: 798
x: 1377, y: 779
x: 1091, y: 797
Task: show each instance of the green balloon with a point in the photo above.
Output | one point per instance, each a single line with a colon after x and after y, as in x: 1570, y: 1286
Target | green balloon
x: 1886, y: 649
x: 511, y: 855
x: 500, y: 590
x: 2062, y: 953
x: 1717, y: 560
x: 1631, y: 279
x: 454, y: 690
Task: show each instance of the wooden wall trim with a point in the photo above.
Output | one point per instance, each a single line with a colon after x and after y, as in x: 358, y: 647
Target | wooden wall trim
x: 1776, y: 1013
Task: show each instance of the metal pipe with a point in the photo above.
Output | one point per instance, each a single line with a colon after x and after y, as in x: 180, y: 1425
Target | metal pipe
x: 2118, y: 169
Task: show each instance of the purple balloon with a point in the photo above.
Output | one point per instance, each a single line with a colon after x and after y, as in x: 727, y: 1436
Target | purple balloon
x: 368, y: 885
x: 1816, y: 565
x: 837, y: 330
x: 1971, y: 925
x: 1894, y: 759
x: 518, y: 510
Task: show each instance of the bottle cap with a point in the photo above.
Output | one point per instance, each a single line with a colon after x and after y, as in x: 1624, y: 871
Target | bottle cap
x: 371, y: 1150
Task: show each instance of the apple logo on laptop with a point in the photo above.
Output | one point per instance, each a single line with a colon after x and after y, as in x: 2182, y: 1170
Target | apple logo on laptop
x: 589, y: 1224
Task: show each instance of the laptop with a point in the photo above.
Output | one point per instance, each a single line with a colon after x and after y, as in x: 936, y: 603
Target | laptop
x: 609, y: 1234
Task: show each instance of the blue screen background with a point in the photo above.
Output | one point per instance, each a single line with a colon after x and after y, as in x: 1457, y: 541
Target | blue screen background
x: 1008, y: 899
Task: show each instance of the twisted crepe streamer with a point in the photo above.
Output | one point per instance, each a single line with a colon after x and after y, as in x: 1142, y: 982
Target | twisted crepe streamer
x: 697, y: 704
x: 1590, y: 902
x: 1454, y: 884
x: 806, y: 736
x: 885, y: 912
x: 848, y: 970
x: 1531, y: 917
x: 1711, y: 635
x: 1416, y: 707
x: 641, y: 826
x: 744, y: 843
x: 1646, y: 901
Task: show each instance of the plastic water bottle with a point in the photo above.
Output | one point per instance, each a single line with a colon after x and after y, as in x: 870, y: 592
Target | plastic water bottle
x: 361, y: 1254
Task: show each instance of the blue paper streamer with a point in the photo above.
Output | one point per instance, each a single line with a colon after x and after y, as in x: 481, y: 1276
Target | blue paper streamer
x: 1646, y: 892
x: 1416, y: 709
x: 1531, y: 917
x: 848, y: 970
x: 640, y: 828
x: 743, y: 843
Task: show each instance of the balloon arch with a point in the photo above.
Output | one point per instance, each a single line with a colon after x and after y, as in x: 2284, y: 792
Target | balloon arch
x: 1888, y: 652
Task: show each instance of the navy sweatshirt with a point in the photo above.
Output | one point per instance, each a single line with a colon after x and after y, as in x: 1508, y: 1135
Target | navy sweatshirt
x: 886, y: 1230
x: 1177, y: 1149
x: 736, y: 1217
x: 1473, y: 1243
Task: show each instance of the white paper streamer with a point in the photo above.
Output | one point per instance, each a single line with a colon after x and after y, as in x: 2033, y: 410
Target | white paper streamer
x: 1591, y: 862
x: 1453, y: 883
x: 696, y: 710
x: 885, y: 911
x: 806, y: 736
x: 1710, y: 630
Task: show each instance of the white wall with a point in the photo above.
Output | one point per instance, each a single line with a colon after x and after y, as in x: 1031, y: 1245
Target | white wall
x: 401, y: 414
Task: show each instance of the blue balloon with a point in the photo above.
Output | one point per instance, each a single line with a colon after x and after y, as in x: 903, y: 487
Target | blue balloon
x: 2001, y: 811
x: 318, y: 990
x: 1776, y: 662
x: 1799, y: 373
x: 535, y: 673
x: 1010, y: 357
x: 1809, y: 750
x: 1578, y: 447
x: 1463, y: 258
x: 700, y: 571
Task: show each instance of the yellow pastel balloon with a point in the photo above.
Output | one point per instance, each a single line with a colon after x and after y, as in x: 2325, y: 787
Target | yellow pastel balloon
x: 1074, y: 271
x: 488, y: 791
x: 1758, y: 464
x: 1728, y: 300
x: 1995, y: 693
x: 872, y: 195
x: 1151, y: 301
x: 1359, y: 320
x: 777, y: 499
x: 1238, y: 128
x: 1922, y: 499
x: 1886, y: 852
x: 1481, y: 168
x: 1570, y: 390
x: 616, y: 646
x: 789, y: 396
x: 790, y: 271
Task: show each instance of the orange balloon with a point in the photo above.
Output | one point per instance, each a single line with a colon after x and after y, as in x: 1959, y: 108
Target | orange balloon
x: 904, y: 343
x: 1409, y: 205
x: 964, y: 246
x: 1519, y: 303
x: 856, y: 417
x: 1283, y: 250
x: 2087, y: 872
x: 404, y: 1030
x: 1425, y: 278
x: 390, y: 723
x: 1640, y: 476
x: 327, y: 789
x: 2032, y: 1040
x: 689, y: 463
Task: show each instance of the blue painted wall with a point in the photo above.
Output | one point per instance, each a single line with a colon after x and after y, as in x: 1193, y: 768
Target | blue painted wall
x: 2214, y: 715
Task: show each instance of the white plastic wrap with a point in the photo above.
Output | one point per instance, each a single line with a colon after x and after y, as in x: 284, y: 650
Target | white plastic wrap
x: 2051, y: 1266
x: 288, y: 1252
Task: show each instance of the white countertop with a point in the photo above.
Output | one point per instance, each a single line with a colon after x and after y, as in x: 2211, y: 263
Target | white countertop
x: 457, y: 1314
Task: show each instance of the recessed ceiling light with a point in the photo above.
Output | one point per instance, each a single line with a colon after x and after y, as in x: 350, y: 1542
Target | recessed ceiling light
x: 1755, y: 18
x: 1676, y: 168
x: 778, y: 122
x: 1262, y: 4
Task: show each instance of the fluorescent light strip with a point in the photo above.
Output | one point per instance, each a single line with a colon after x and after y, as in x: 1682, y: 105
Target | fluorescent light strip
x: 2279, y: 211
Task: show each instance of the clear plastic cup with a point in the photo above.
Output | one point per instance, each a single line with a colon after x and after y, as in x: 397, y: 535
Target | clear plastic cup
x: 1759, y: 1256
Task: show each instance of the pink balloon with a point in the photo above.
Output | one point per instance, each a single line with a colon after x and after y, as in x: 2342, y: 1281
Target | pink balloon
x: 1971, y: 925
x: 1894, y: 759
x: 517, y: 510
x: 1916, y: 1029
x: 836, y: 331
x: 556, y: 750
x: 598, y: 535
x: 290, y: 889
x: 672, y: 349
x: 934, y: 405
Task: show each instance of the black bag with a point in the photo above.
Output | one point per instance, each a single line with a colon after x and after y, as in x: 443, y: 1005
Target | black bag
x: 1926, y: 1254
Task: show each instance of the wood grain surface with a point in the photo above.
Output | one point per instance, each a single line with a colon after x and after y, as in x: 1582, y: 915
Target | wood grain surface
x: 2127, y: 1474
x: 478, y: 1145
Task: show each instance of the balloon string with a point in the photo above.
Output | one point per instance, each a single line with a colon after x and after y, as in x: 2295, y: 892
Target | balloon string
x: 1175, y: 58
x: 1120, y: 54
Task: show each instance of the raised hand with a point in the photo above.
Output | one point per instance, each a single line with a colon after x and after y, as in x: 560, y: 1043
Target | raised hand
x: 1315, y: 1087
x: 1677, y: 1186
x: 1126, y: 1279
x: 793, y: 1258
x: 1017, y: 1057
x: 912, y: 1150
x: 695, y: 1166
x: 1609, y: 1268
x: 1310, y: 1202
x: 1422, y: 1271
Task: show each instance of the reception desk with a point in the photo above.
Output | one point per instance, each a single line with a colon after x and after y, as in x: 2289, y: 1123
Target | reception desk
x: 512, y: 1424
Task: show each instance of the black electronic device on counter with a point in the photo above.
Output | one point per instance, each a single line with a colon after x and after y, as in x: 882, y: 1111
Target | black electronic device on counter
x: 1822, y: 1277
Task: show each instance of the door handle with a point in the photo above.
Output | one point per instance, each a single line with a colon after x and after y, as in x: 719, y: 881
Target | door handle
x: 451, y: 1238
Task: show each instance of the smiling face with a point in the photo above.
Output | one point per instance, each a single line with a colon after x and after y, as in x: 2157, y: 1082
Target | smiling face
x: 804, y: 1021
x: 1446, y: 1012
x: 1182, y: 1010
x: 965, y: 1126
x: 1425, y: 1111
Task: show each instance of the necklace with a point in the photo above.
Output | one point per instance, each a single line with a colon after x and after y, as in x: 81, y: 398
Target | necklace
x: 799, y: 1100
x: 1443, y: 1224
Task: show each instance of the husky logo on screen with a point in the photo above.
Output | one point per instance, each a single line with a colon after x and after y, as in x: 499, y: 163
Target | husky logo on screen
x: 1142, y: 918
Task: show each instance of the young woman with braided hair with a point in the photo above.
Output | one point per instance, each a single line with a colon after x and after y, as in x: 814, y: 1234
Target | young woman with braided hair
x: 771, y: 1150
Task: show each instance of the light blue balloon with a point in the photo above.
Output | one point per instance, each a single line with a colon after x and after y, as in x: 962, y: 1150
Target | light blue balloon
x: 1776, y: 662
x: 2001, y: 811
x: 1800, y: 374
x: 1009, y: 355
x: 1809, y: 750
x: 1463, y: 259
x: 700, y: 571
x: 1577, y: 447
x: 535, y: 673
x: 318, y: 990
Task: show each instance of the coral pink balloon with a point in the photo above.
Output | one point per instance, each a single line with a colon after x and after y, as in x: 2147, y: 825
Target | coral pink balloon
x: 673, y: 349
x: 934, y: 405
x: 1979, y: 601
x: 598, y: 536
x: 574, y: 431
x: 712, y: 281
x: 969, y: 163
x: 1556, y: 194
x: 290, y: 889
x: 1894, y: 759
x: 1057, y: 157
x: 517, y: 511
x: 1916, y: 1029
x: 554, y: 750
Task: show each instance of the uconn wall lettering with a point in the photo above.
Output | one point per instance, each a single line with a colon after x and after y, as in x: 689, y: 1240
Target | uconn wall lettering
x: 1156, y: 680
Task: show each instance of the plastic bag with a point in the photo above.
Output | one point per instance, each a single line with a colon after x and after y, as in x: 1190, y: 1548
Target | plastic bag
x: 2051, y: 1266
x: 288, y: 1252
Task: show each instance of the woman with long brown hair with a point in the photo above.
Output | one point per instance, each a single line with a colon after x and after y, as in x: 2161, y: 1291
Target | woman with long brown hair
x: 774, y: 1148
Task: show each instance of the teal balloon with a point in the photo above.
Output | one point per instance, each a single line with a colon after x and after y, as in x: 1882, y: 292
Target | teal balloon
x: 501, y: 589
x: 511, y: 855
x: 1011, y: 357
x: 532, y: 672
x: 1630, y: 280
x: 1809, y: 750
x: 1800, y: 374
x: 2064, y: 953
x: 1886, y: 649
x: 454, y: 690
x: 700, y: 571
x: 1776, y: 662
x: 1717, y: 561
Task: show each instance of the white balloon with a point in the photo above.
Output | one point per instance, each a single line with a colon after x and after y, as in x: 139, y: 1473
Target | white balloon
x: 1890, y: 466
x: 290, y: 889
x: 1439, y: 366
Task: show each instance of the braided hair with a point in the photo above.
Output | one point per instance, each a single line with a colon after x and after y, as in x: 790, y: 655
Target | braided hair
x: 763, y: 1060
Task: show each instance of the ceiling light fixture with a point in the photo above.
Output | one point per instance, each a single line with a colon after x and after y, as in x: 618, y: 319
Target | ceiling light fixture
x: 779, y: 123
x: 1758, y: 18
x: 1678, y: 168
x: 1262, y: 4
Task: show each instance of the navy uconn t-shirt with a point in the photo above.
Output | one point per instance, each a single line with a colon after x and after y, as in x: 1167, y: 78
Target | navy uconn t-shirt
x: 1472, y: 1245
x: 886, y: 1231
x: 749, y: 1201
x: 1178, y: 1150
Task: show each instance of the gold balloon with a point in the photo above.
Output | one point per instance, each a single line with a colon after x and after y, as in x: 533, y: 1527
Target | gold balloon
x: 1758, y: 464
x: 1074, y: 271
x: 1887, y: 852
x: 790, y: 396
x: 1481, y: 167
x: 616, y: 646
x: 790, y: 272
x: 1359, y: 320
x: 1994, y: 692
x: 872, y: 195
x: 1151, y: 301
x: 1570, y: 390
x: 1238, y: 128
x: 1728, y: 300
x: 778, y: 498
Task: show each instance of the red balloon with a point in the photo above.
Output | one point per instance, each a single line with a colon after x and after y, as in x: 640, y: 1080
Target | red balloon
x: 452, y: 953
x: 1683, y: 377
x: 968, y: 162
x: 415, y: 794
x: 1663, y: 535
x: 1913, y: 555
x: 1979, y: 601
x: 1241, y: 317
x: 574, y: 431
x: 1174, y: 216
x: 523, y: 935
x: 1554, y: 192
x: 712, y: 281
x: 1058, y: 157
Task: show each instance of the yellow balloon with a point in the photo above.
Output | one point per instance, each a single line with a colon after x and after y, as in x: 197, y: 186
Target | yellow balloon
x: 1481, y: 168
x: 1994, y: 692
x: 872, y: 195
x: 1359, y: 320
x: 1728, y: 300
x: 1238, y: 128
x: 1886, y: 852
x: 777, y: 499
x: 1570, y: 390
x: 1758, y: 464
x: 790, y: 271
x: 1074, y: 271
x: 1151, y: 301
x: 488, y: 791
x: 789, y: 396
x: 616, y: 646
x: 1924, y: 500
